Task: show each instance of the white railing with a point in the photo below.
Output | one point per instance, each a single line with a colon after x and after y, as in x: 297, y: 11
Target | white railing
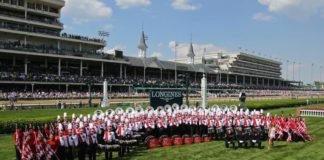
x: 312, y: 113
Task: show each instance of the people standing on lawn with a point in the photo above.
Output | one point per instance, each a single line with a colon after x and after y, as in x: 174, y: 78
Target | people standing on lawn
x: 290, y: 128
x: 74, y: 137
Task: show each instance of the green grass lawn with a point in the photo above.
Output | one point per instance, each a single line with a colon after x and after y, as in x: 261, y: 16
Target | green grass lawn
x: 7, y: 150
x: 216, y: 149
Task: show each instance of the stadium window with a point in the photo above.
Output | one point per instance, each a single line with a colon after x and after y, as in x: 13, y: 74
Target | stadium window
x: 14, y: 2
x: 45, y: 8
x: 31, y: 5
x: 38, y: 6
x: 21, y: 3
x: 54, y: 10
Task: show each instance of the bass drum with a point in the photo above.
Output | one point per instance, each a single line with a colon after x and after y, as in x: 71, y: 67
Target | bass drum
x: 211, y: 130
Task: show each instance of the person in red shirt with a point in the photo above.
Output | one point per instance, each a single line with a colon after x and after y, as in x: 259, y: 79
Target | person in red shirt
x: 46, y: 131
x: 53, y: 143
x: 32, y: 140
x: 18, y: 136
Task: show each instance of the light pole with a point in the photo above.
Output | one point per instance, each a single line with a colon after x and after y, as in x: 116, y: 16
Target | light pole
x: 103, y: 35
x: 184, y: 80
x: 293, y: 71
x: 311, y: 77
x: 89, y: 83
x: 287, y: 70
x: 321, y: 67
x: 299, y: 71
x: 175, y: 63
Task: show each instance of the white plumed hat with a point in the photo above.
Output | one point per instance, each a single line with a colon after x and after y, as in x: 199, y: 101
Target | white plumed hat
x: 90, y: 125
x: 70, y: 126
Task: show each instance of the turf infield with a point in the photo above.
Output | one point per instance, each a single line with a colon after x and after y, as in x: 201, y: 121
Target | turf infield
x: 217, y: 150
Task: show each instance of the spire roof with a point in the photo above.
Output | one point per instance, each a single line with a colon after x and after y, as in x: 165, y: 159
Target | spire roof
x: 191, y: 53
x: 142, y: 45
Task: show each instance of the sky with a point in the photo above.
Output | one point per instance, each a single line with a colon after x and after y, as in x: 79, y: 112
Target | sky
x: 285, y: 30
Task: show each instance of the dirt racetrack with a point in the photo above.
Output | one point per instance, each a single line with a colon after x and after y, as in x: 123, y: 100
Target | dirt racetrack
x: 131, y: 100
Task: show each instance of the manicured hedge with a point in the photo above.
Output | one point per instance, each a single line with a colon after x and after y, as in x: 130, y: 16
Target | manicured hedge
x: 9, y: 126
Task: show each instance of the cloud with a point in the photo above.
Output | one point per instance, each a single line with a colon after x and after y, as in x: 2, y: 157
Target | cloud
x: 160, y: 45
x: 81, y: 11
x: 116, y: 47
x: 124, y: 4
x: 156, y: 54
x: 172, y: 44
x: 184, y: 5
x: 119, y: 47
x: 182, y: 48
x: 107, y: 27
x: 297, y: 9
x: 68, y: 27
x: 77, y: 20
x: 262, y: 17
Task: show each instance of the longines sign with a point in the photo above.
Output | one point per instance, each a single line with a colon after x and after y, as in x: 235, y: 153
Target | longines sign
x: 161, y: 98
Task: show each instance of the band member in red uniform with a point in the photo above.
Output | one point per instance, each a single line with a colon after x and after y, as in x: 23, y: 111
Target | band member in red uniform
x: 109, y: 138
x: 54, y: 145
x: 82, y: 142
x: 70, y: 142
x: 62, y: 139
x: 18, y: 136
x: 46, y: 131
x: 92, y: 142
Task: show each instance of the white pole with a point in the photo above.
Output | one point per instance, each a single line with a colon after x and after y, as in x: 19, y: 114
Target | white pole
x: 321, y: 73
x: 204, y: 100
x: 299, y: 71
x: 81, y: 68
x: 311, y: 80
x: 102, y: 69
x: 59, y: 67
x: 293, y: 71
x: 287, y: 70
x: 105, y: 101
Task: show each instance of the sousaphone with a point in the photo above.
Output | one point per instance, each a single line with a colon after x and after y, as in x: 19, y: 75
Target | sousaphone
x: 98, y: 113
x: 119, y: 110
x: 175, y: 106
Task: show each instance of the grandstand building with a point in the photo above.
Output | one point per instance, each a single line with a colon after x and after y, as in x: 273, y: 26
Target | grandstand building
x: 243, y: 69
x: 36, y: 54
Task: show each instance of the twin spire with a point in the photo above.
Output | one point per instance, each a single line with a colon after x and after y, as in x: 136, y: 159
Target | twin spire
x: 143, y: 47
x: 191, y: 54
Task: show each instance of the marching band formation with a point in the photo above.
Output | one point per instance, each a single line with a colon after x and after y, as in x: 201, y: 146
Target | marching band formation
x: 118, y: 130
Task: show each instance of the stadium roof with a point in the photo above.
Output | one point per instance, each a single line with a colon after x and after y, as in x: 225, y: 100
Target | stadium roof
x: 154, y: 62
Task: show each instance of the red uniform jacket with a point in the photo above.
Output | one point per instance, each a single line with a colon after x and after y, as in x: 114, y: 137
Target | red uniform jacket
x: 53, y: 144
